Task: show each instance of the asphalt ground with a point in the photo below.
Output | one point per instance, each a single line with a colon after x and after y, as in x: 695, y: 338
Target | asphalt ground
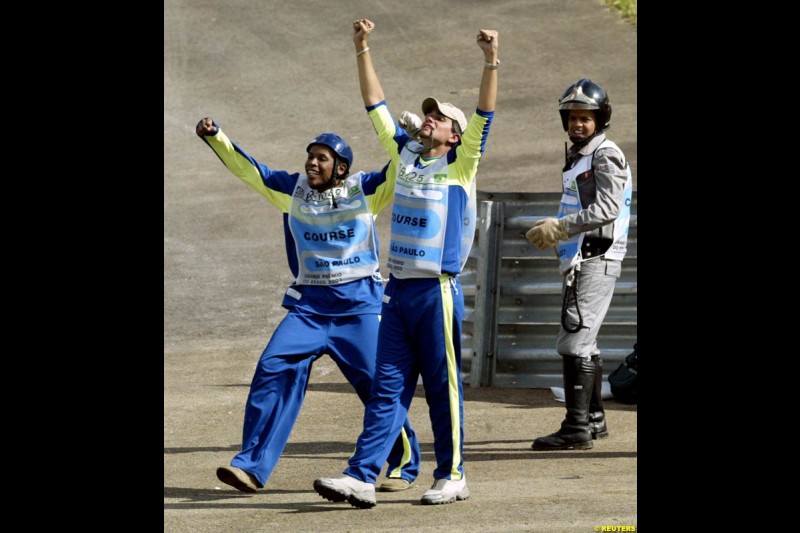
x: 275, y: 74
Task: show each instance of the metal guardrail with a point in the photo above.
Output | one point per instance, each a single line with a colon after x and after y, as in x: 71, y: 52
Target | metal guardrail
x: 512, y: 298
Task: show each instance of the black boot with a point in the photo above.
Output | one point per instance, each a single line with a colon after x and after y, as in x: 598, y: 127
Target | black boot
x: 597, y: 415
x: 579, y: 375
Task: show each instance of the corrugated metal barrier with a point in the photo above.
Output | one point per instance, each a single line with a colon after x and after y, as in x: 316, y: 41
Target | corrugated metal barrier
x: 512, y: 298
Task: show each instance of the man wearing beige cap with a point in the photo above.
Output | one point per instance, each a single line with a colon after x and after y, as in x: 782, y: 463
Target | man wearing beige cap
x: 433, y: 225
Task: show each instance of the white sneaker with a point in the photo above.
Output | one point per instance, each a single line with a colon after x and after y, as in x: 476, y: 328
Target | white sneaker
x: 446, y: 491
x: 338, y: 489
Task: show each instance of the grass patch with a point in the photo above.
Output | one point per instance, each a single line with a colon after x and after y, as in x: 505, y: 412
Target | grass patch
x: 626, y: 8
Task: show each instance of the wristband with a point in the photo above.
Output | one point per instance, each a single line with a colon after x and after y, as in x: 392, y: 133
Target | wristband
x: 362, y: 51
x: 493, y: 67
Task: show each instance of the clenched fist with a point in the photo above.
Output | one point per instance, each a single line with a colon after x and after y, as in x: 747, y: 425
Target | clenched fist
x: 205, y: 127
x: 546, y: 233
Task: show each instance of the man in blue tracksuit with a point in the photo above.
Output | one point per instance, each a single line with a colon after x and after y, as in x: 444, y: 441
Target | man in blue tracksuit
x: 333, y: 305
x: 433, y: 225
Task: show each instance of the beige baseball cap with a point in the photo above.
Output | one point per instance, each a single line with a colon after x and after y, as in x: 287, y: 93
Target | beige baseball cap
x: 448, y: 110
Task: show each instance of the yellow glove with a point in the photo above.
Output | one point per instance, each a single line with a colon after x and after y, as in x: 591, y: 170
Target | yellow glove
x: 546, y: 233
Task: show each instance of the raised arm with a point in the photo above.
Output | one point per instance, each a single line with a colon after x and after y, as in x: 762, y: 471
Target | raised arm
x: 488, y: 42
x: 275, y: 185
x: 371, y: 90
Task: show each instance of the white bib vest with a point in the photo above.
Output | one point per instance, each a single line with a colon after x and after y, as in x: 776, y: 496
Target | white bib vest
x: 568, y: 251
x: 419, y: 218
x: 335, y: 241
